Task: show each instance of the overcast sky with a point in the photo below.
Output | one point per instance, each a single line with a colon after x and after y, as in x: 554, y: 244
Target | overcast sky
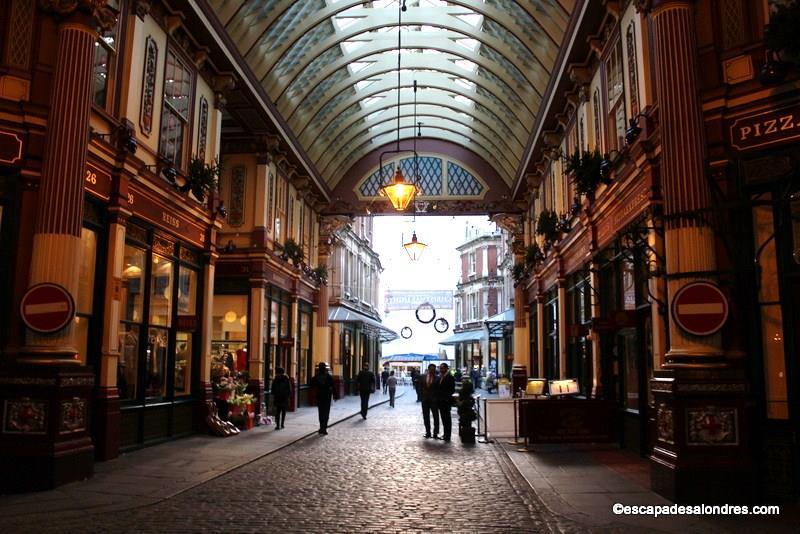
x: 437, y: 269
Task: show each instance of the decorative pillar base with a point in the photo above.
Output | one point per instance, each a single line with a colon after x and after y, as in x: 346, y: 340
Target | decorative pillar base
x: 107, y: 421
x: 45, y: 436
x: 293, y: 395
x: 255, y: 386
x: 702, y: 450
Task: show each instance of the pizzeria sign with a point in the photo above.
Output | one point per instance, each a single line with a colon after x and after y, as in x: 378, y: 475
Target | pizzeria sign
x: 775, y: 126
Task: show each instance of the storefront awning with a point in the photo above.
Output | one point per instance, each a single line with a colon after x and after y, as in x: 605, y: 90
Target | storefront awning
x: 501, y: 325
x: 340, y: 314
x: 462, y: 337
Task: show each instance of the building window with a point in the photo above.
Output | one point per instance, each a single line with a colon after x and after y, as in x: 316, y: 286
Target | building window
x: 105, y: 55
x: 533, y: 364
x: 176, y: 108
x: 616, y: 95
x: 598, y: 125
x: 630, y: 45
x: 551, y: 352
x: 84, y: 303
x: 158, y: 319
x: 472, y: 263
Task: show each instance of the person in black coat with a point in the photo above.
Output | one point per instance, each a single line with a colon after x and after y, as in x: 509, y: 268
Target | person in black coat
x: 427, y: 393
x: 444, y: 399
x: 281, y: 390
x: 365, y: 381
x: 323, y: 383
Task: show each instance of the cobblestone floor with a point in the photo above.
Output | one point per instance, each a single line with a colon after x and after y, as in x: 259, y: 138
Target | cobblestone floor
x: 373, y: 475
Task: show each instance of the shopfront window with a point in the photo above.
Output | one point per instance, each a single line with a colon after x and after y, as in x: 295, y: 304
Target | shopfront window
x: 161, y: 291
x: 131, y: 307
x: 551, y: 336
x: 534, y: 340
x: 304, y: 331
x: 229, y: 333
x: 158, y: 306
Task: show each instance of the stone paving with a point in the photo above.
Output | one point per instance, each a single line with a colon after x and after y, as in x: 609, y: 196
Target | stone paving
x: 373, y: 475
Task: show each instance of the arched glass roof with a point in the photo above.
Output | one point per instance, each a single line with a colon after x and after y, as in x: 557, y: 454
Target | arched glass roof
x: 330, y: 68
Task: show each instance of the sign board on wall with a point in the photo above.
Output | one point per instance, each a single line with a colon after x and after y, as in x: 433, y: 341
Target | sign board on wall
x: 47, y: 308
x: 759, y: 130
x: 700, y: 308
x: 411, y: 300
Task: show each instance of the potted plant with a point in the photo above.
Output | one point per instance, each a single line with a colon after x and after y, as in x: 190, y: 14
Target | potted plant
x: 202, y: 178
x: 547, y: 225
x: 533, y: 255
x: 320, y: 274
x: 518, y: 273
x: 585, y: 171
x: 292, y: 251
x: 465, y: 406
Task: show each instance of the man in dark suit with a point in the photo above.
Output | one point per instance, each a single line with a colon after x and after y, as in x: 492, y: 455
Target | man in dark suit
x: 427, y: 393
x: 323, y: 382
x: 366, y: 385
x: 444, y: 399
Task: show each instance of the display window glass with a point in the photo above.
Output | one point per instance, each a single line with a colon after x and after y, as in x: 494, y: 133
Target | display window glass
x: 155, y: 363
x: 229, y: 333
x: 157, y: 348
x: 161, y: 276
x: 84, y: 297
x: 183, y: 363
x: 133, y: 284
x: 128, y: 367
x: 304, y: 358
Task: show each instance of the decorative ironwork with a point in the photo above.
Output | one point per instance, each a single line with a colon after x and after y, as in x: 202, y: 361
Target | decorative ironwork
x: 163, y: 246
x: 665, y: 416
x: 406, y: 332
x: 460, y: 182
x: 630, y: 43
x: 236, y: 208
x: 441, y: 325
x: 425, y: 306
x: 73, y: 416
x: 710, y: 425
x: 191, y: 256
x: 24, y: 416
x: 18, y: 52
x: 135, y: 232
x: 148, y: 85
x: 202, y: 133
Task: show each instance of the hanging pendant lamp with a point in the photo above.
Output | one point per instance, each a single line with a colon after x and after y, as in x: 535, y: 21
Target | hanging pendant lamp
x: 414, y: 248
x: 399, y: 192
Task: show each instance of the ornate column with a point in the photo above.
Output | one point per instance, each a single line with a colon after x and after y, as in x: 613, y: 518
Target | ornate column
x: 205, y: 390
x: 45, y: 391
x: 562, y: 328
x: 255, y: 349
x: 701, y: 452
x: 597, y: 369
x: 512, y: 223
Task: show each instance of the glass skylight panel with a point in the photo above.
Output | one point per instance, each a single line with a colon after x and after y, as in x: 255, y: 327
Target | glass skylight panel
x: 363, y: 84
x: 466, y: 64
x: 466, y: 84
x: 461, y: 99
x: 374, y: 114
x: 357, y: 66
x: 344, y: 22
x: 353, y: 44
x: 473, y: 19
x: 371, y: 100
x: 471, y: 44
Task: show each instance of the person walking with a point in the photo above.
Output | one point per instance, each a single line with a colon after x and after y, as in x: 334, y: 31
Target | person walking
x: 323, y: 383
x: 365, y: 381
x: 444, y: 399
x: 474, y: 376
x: 384, y: 378
x: 281, y: 390
x: 415, y: 382
x: 427, y: 393
x: 392, y: 382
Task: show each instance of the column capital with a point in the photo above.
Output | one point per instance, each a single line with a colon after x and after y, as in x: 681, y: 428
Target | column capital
x: 648, y: 6
x: 104, y: 15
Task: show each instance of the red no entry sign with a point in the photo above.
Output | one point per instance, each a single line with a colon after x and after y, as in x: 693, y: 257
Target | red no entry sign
x: 700, y: 308
x: 47, y: 308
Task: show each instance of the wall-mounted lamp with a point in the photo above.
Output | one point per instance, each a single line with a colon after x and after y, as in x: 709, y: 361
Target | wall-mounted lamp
x: 229, y: 247
x: 222, y: 211
x: 634, y: 130
x: 124, y: 135
x: 169, y: 172
x: 609, y: 159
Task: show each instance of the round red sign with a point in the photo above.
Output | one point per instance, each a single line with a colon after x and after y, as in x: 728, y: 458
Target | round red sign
x: 700, y: 308
x: 47, y: 308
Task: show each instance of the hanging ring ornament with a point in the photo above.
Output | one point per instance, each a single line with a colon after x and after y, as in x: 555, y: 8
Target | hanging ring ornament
x: 406, y: 332
x: 441, y: 325
x: 426, y: 306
